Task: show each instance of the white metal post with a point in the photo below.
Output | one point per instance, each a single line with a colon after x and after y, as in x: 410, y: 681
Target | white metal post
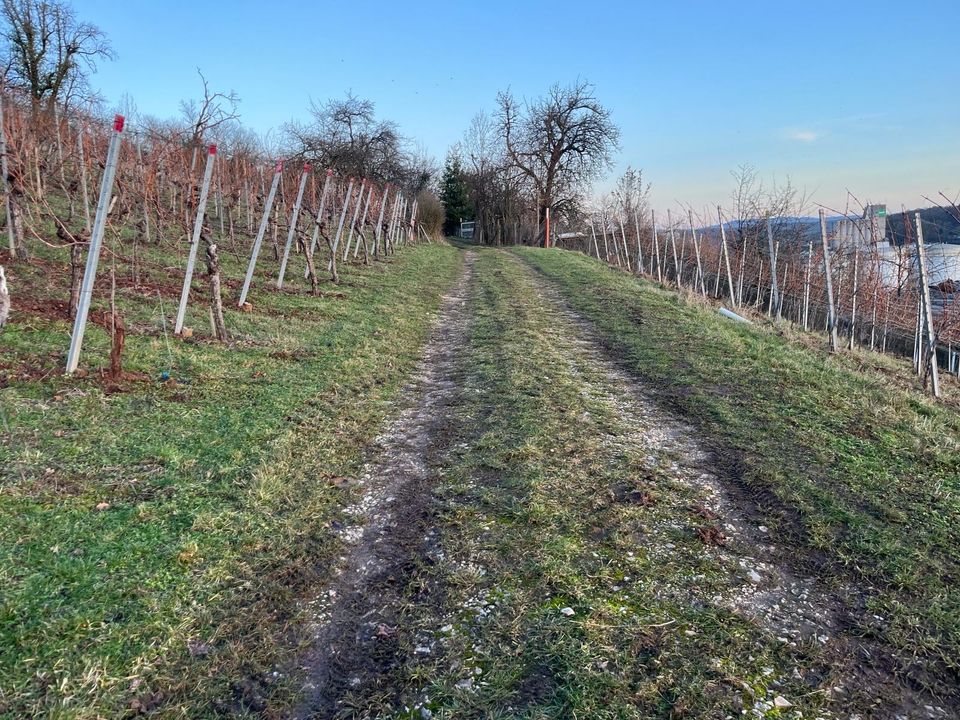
x: 195, y: 241
x: 319, y: 219
x: 363, y: 220
x: 726, y: 257
x: 379, y: 228
x: 774, y: 290
x: 656, y: 245
x: 831, y: 310
x: 696, y: 250
x: 353, y: 220
x: 636, y: 224
x: 96, y: 239
x: 292, y: 230
x: 623, y: 235
x: 277, y: 172
x: 673, y: 245
x: 931, y: 338
x: 343, y: 217
x: 6, y: 186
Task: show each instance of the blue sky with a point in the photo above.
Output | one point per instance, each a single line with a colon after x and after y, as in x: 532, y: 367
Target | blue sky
x: 858, y: 95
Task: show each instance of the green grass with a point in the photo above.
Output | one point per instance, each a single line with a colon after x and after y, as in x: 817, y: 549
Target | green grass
x: 215, y: 488
x: 535, y: 515
x: 859, y: 467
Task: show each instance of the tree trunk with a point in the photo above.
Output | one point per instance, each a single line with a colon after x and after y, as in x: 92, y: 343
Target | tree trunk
x: 15, y: 180
x: 311, y: 270
x: 118, y: 332
x: 216, y: 301
x: 334, y: 278
x: 76, y: 277
x: 4, y: 299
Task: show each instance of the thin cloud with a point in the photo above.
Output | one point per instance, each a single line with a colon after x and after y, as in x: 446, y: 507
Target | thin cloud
x: 804, y: 136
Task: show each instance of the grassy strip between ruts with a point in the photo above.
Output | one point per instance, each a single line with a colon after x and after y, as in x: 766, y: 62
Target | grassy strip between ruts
x: 869, y: 470
x: 572, y: 578
x: 154, y: 536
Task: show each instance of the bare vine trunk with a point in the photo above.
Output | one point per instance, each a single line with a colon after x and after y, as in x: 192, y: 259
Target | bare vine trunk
x: 216, y: 301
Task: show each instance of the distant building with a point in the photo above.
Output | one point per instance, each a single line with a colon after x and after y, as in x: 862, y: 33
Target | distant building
x: 871, y: 229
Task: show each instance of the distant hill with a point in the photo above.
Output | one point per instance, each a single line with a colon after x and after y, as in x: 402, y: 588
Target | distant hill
x: 939, y: 226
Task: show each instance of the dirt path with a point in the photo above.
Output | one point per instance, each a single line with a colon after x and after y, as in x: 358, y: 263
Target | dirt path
x: 356, y: 618
x: 438, y: 600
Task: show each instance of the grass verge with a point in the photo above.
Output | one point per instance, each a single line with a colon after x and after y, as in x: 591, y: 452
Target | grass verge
x: 863, y: 471
x: 154, y: 536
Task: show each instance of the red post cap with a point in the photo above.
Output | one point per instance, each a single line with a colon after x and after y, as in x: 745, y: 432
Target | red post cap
x: 212, y: 150
x: 118, y: 121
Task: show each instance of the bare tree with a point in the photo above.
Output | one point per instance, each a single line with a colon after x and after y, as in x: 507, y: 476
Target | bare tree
x: 345, y: 134
x: 47, y: 51
x: 558, y: 143
x: 214, y: 112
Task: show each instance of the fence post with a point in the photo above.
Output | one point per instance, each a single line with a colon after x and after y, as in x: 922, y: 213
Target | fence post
x: 6, y: 184
x: 195, y: 240
x: 806, y: 286
x: 353, y: 220
x: 343, y: 217
x: 96, y: 238
x: 277, y: 172
x: 379, y: 229
x: 546, y: 229
x: 656, y: 246
x: 292, y: 230
x: 831, y: 308
x: 726, y: 257
x: 363, y: 221
x: 931, y: 338
x: 319, y: 219
x: 673, y: 246
x: 696, y: 250
x: 774, y: 289
x: 856, y: 290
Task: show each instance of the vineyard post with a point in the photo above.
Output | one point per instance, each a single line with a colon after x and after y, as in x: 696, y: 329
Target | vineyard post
x: 856, y: 289
x: 6, y: 183
x: 673, y: 246
x: 195, y: 241
x: 806, y: 286
x: 87, y: 222
x: 596, y: 248
x: 656, y: 246
x: 343, y: 217
x: 318, y: 221
x: 931, y: 351
x: 696, y: 250
x: 623, y: 236
x: 363, y: 220
x: 96, y: 238
x: 292, y: 230
x: 378, y: 231
x: 726, y: 257
x: 774, y: 289
x: 828, y: 281
x: 277, y: 172
x: 636, y: 224
x: 353, y: 220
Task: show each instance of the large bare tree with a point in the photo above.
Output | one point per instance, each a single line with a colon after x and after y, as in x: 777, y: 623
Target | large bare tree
x: 557, y: 143
x: 47, y: 51
x: 346, y: 134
